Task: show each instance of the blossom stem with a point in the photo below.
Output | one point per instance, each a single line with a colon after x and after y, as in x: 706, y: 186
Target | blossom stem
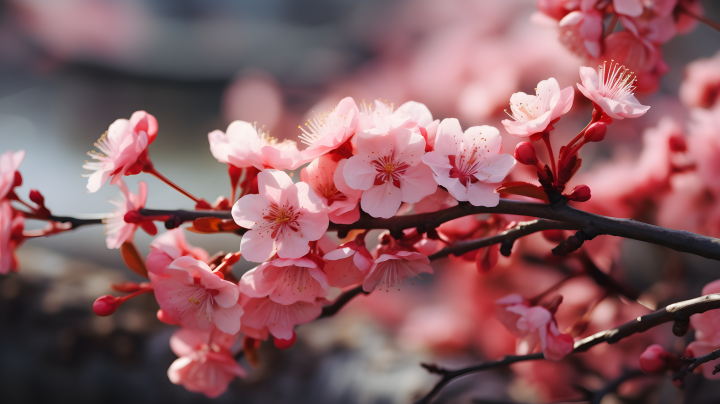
x: 546, y: 139
x: 535, y: 300
x: 613, y: 24
x: 596, y: 115
x: 712, y: 24
x: 150, y: 169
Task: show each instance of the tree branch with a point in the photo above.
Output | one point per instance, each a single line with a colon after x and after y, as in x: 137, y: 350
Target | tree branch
x: 690, y: 364
x: 677, y: 312
x: 74, y: 221
x: 332, y: 309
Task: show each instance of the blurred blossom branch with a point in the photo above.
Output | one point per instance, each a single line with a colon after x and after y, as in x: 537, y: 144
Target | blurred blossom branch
x: 678, y: 312
x: 690, y: 364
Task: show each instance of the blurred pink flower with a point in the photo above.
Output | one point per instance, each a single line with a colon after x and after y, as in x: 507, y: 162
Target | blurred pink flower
x: 611, y: 88
x: 205, y: 364
x: 347, y: 265
x: 704, y: 145
x: 9, y: 163
x: 11, y: 228
x: 388, y: 166
x: 263, y: 315
x: 632, y: 8
x: 197, y: 297
x: 286, y: 281
x: 535, y: 326
x: 532, y: 114
x: 123, y: 150
x: 701, y: 86
x: 117, y: 230
x: 326, y: 132
x: 282, y: 219
x: 324, y: 175
x: 469, y: 164
x: 242, y: 146
x: 168, y: 247
x: 581, y: 32
x: 389, y: 270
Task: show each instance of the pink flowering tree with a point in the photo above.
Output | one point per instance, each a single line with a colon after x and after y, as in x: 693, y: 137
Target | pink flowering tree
x: 434, y: 194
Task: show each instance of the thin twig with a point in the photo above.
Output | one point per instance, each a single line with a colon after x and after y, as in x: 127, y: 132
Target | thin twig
x: 74, y: 221
x: 690, y: 364
x: 710, y: 23
x: 341, y: 301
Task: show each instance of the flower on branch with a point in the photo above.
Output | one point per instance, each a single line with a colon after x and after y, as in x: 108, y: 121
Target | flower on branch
x: 242, y: 146
x: 611, y: 89
x: 286, y: 281
x: 533, y: 114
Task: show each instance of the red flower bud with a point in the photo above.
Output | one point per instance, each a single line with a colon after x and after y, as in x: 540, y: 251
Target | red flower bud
x: 106, y: 305
x: 133, y: 216
x: 656, y: 360
x: 581, y: 193
x: 285, y: 343
x: 525, y: 154
x: 677, y: 143
x: 37, y: 197
x: 596, y: 132
x: 17, y: 181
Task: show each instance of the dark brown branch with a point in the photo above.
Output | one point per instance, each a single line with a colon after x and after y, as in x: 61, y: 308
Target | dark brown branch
x: 679, y: 312
x: 187, y: 215
x: 595, y: 397
x: 341, y: 301
x: 522, y: 229
x: 74, y: 221
x: 690, y: 364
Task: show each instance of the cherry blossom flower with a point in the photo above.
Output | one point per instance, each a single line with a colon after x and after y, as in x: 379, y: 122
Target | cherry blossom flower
x: 388, y: 167
x: 535, y: 326
x: 286, y: 281
x: 9, y: 163
x: 282, y: 219
x: 117, y: 231
x: 324, y: 175
x: 263, y: 315
x: 168, y: 247
x: 123, y: 150
x: 348, y: 264
x: 611, y: 89
x: 328, y: 131
x: 581, y: 32
x: 242, y: 146
x: 532, y: 114
x: 206, y: 363
x: 469, y: 164
x: 389, y: 270
x: 701, y: 86
x: 11, y: 228
x: 198, y: 298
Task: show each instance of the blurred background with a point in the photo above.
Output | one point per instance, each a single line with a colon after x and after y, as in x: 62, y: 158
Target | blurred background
x: 69, y: 68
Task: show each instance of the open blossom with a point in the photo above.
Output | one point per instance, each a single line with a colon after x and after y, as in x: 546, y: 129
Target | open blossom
x: 263, y: 315
x: 469, y: 164
x: 198, y: 298
x: 123, y: 150
x: 9, y: 163
x: 282, y: 219
x: 348, y: 264
x: 11, y: 228
x: 388, y: 167
x: 168, y: 247
x: 328, y: 131
x: 206, y: 363
x: 611, y: 88
x: 389, y: 270
x: 533, y: 113
x: 117, y: 231
x: 286, y: 281
x: 324, y: 175
x: 242, y: 146
x: 535, y: 326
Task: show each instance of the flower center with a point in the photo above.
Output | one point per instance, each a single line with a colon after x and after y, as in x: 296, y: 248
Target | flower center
x: 616, y: 81
x: 464, y: 168
x: 281, y: 219
x: 389, y: 170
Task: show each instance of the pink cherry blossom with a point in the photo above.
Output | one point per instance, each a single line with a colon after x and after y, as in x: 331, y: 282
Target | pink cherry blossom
x: 11, y: 228
x: 198, y: 298
x: 206, y: 363
x: 242, y: 146
x: 117, y: 231
x: 328, y: 131
x: 324, y: 175
x: 611, y: 88
x: 701, y: 86
x: 532, y: 114
x: 282, y: 219
x: 263, y: 315
x: 123, y: 150
x: 389, y: 270
x: 168, y: 247
x: 581, y: 32
x: 348, y: 264
x: 469, y: 164
x: 388, y: 167
x: 535, y: 326
x: 286, y: 281
x: 9, y: 163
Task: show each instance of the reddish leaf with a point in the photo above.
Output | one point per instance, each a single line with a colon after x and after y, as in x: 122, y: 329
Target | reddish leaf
x: 132, y: 258
x: 524, y: 189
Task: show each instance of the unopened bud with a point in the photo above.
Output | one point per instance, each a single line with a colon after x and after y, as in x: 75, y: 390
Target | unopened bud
x: 596, y: 132
x: 106, y: 305
x: 677, y: 143
x: 37, y: 197
x: 133, y: 216
x: 525, y: 154
x: 17, y: 181
x: 656, y: 360
x: 581, y: 193
x: 285, y: 343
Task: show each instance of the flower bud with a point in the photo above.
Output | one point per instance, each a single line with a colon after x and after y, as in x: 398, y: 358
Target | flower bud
x: 17, y: 181
x: 581, y: 193
x: 285, y: 343
x: 37, y: 197
x: 133, y: 216
x: 656, y: 360
x: 596, y: 132
x: 106, y: 305
x: 525, y: 154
